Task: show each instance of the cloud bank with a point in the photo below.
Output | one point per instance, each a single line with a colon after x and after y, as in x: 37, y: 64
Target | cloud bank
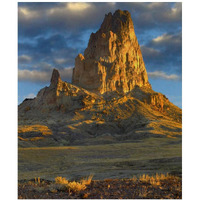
x: 163, y: 75
x: 43, y: 76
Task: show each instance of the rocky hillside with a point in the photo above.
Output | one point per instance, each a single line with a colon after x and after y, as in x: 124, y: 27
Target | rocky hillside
x: 109, y: 100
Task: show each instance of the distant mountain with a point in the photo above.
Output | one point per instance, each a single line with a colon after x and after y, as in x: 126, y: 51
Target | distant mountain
x: 109, y: 100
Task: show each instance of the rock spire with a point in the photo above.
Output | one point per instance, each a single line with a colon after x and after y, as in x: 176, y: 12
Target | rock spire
x: 55, y: 78
x: 113, y: 59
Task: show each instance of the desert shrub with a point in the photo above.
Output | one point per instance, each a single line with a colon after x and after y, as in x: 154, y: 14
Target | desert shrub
x: 61, y: 180
x: 37, y: 180
x: 74, y: 185
x: 87, y: 181
x: 156, y: 180
x: 134, y: 178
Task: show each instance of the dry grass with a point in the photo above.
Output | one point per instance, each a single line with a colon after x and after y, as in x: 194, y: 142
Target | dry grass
x: 37, y: 180
x: 155, y: 180
x: 61, y: 180
x: 87, y: 181
x: 74, y: 185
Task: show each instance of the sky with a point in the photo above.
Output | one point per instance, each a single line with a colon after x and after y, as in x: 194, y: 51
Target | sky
x: 51, y: 35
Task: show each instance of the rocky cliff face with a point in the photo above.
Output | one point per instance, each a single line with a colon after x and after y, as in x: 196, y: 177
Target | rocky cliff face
x: 113, y: 59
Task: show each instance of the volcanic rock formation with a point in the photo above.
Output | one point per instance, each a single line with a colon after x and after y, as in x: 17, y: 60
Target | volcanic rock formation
x: 109, y: 100
x: 113, y: 59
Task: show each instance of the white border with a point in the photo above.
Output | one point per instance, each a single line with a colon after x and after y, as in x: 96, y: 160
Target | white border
x: 191, y: 97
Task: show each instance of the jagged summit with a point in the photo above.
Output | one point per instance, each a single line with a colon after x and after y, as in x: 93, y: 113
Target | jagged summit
x: 113, y: 60
x: 117, y: 22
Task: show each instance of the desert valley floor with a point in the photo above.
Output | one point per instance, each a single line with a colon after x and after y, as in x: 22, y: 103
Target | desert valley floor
x: 122, y: 160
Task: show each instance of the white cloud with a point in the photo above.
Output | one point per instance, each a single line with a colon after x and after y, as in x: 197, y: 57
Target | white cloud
x: 26, y: 14
x: 176, y: 11
x: 78, y: 6
x: 66, y: 73
x: 162, y: 38
x: 68, y: 10
x: 154, y: 5
x: 60, y: 61
x: 34, y: 76
x: 43, y: 76
x: 168, y: 40
x: 29, y: 96
x: 163, y: 75
x: 24, y: 59
x: 148, y: 51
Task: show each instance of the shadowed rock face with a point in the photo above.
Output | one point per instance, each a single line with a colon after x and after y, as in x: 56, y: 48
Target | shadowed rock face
x: 113, y: 59
x: 55, y: 78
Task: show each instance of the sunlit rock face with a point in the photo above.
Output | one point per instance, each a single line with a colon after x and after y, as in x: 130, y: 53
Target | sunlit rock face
x: 113, y: 59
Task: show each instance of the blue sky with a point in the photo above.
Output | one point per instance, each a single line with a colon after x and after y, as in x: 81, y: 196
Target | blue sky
x: 52, y: 34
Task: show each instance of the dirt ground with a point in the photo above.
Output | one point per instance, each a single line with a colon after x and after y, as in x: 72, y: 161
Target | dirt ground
x: 170, y: 188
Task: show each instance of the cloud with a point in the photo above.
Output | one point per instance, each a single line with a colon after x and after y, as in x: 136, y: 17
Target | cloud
x: 66, y: 74
x: 167, y: 40
x: 157, y: 15
x: 78, y: 6
x: 33, y: 76
x: 29, y: 96
x: 43, y: 76
x: 37, y: 18
x: 54, y: 50
x: 65, y: 17
x: 24, y: 59
x: 60, y: 61
x: 149, y: 52
x: 163, y: 75
x: 26, y: 14
x: 164, y: 53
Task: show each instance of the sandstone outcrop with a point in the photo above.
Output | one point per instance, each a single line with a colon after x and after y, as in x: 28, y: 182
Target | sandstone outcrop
x: 113, y: 59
